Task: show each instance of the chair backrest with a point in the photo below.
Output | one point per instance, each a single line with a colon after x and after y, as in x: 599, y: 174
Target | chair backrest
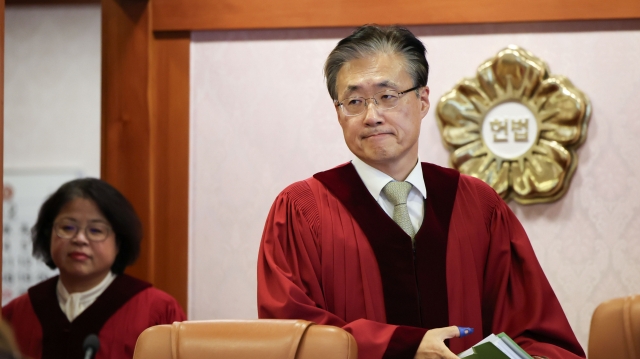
x: 615, y: 329
x: 239, y: 339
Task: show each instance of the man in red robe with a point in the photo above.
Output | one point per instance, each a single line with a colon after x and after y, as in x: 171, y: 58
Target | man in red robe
x: 331, y: 252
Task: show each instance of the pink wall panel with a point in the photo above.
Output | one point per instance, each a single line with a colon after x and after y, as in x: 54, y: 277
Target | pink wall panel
x: 262, y: 119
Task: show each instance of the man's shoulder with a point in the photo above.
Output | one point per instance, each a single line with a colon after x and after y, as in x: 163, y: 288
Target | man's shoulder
x: 477, y: 184
x: 439, y: 169
x: 476, y: 193
x: 468, y: 186
x: 298, y: 196
x: 296, y: 189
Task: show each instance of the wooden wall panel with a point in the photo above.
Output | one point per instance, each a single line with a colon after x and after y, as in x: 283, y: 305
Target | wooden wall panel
x: 51, y: 2
x: 145, y: 126
x: 169, y: 106
x: 125, y: 161
x: 259, y: 14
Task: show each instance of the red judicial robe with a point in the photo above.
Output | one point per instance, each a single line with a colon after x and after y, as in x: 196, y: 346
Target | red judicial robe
x: 331, y: 255
x: 126, y: 308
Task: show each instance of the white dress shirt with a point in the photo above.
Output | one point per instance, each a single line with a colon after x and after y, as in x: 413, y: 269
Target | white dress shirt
x: 375, y: 180
x: 74, y: 304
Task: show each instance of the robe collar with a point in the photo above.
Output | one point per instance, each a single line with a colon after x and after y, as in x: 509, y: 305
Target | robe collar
x: 413, y: 279
x: 73, y: 304
x: 375, y: 180
x: 63, y: 339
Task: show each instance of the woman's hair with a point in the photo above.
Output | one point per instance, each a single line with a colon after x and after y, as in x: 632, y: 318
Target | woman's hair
x: 114, y: 206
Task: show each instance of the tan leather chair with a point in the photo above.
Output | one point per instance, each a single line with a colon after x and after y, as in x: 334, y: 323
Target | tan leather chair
x: 8, y: 346
x: 239, y: 339
x: 615, y: 329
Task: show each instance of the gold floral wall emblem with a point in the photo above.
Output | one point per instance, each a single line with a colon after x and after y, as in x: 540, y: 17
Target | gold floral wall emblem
x: 515, y: 127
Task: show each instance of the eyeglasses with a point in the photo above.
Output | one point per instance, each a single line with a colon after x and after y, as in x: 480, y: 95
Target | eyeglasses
x: 95, y: 232
x: 384, y: 100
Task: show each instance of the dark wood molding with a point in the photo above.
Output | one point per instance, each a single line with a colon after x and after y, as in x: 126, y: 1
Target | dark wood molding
x: 145, y: 142
x: 1, y: 118
x: 258, y: 14
x: 125, y: 113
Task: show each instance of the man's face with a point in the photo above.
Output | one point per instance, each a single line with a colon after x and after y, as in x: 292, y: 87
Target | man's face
x: 384, y: 139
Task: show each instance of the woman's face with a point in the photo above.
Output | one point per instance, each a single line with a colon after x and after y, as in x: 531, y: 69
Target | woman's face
x: 83, y: 262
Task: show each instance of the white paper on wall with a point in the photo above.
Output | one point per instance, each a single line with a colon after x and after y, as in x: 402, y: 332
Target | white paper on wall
x: 24, y: 191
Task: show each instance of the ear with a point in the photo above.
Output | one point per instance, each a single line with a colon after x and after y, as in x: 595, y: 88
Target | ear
x: 424, y: 101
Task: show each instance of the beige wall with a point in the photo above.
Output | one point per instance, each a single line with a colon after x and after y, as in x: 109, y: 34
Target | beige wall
x: 52, y: 87
x: 261, y: 119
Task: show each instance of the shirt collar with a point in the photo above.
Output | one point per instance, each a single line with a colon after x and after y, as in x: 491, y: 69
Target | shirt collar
x: 89, y: 295
x: 375, y: 179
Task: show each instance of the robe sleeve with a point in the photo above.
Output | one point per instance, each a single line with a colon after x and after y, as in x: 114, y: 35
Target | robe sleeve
x: 7, y: 311
x: 517, y: 297
x: 118, y: 336
x: 166, y: 308
x: 25, y: 326
x: 290, y: 281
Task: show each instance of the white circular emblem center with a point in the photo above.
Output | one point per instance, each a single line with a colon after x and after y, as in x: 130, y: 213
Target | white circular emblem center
x: 509, y: 130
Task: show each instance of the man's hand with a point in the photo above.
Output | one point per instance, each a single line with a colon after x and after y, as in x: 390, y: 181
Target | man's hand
x: 432, y: 344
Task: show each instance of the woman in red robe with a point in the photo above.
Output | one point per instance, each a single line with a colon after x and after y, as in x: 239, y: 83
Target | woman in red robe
x: 91, y: 233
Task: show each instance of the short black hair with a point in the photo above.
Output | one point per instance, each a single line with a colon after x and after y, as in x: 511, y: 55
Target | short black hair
x: 373, y: 39
x: 114, y: 206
